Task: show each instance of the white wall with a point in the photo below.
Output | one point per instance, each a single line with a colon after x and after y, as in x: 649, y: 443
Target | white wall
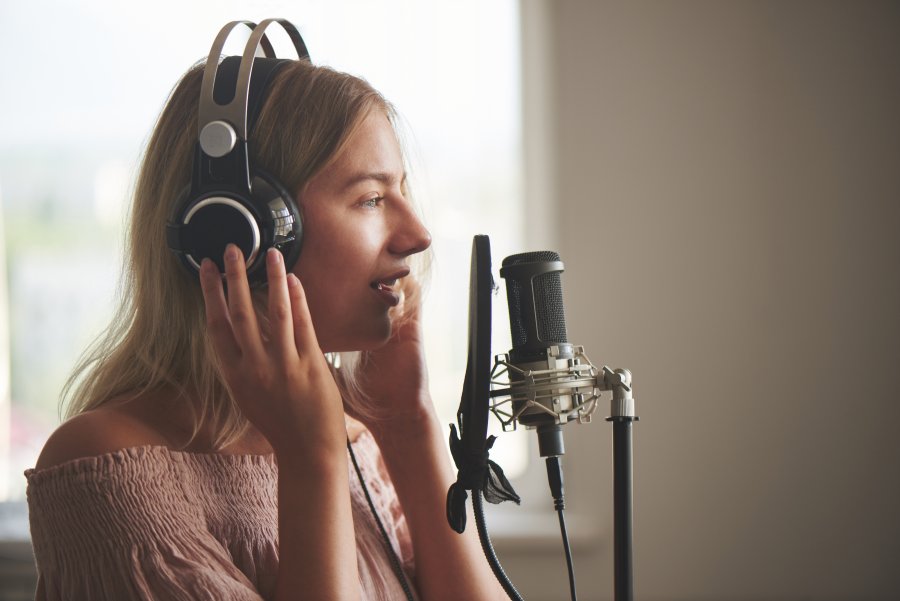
x: 726, y: 179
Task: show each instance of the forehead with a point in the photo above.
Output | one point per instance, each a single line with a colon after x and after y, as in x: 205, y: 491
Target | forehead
x: 372, y: 148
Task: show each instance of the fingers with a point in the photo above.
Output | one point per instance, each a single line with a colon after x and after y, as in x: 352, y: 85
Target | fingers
x: 280, y: 316
x: 304, y: 334
x: 240, y: 303
x: 409, y: 309
x: 217, y: 321
x: 232, y: 323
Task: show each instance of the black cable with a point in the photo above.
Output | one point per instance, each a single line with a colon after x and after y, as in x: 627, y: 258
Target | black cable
x: 488, y: 548
x: 395, y: 561
x: 569, y: 565
x: 555, y: 479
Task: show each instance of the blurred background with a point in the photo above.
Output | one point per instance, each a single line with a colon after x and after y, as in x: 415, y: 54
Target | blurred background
x: 722, y: 180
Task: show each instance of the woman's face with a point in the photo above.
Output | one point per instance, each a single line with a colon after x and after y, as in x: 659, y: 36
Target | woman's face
x: 358, y: 231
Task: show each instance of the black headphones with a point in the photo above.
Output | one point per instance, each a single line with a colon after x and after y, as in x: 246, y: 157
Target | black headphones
x: 228, y: 200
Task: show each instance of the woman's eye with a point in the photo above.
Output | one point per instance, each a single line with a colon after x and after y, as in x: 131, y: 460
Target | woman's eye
x: 372, y: 202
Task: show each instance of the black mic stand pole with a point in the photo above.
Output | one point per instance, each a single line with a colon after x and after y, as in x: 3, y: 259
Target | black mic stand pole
x: 622, y: 416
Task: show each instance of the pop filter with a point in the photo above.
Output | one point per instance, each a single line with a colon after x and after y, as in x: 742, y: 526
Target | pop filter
x: 470, y: 446
x: 475, y: 399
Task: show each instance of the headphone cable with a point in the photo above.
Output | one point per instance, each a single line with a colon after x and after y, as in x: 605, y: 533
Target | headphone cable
x: 395, y: 560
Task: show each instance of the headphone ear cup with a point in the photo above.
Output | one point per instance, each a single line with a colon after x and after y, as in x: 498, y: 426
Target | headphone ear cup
x: 203, y: 226
x: 281, y: 223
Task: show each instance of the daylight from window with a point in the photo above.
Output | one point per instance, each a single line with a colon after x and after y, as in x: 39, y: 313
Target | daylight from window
x: 81, y: 93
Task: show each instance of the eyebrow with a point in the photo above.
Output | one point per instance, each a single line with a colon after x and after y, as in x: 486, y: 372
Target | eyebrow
x: 379, y: 176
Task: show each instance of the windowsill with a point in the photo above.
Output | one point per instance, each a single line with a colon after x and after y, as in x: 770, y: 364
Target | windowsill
x: 511, y: 528
x: 15, y: 539
x: 18, y: 574
x: 522, y: 530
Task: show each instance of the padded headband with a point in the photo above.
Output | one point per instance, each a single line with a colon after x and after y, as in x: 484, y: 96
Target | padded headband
x: 264, y: 70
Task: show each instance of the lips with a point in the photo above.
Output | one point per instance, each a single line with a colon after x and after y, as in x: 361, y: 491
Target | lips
x: 384, y: 287
x: 384, y: 284
x: 389, y: 281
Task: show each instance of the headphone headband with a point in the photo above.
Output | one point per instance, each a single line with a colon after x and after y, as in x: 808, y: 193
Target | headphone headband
x: 221, y: 126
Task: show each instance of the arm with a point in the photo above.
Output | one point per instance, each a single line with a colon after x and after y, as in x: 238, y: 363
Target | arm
x: 285, y: 389
x: 411, y: 440
x: 448, y: 565
x: 97, y: 535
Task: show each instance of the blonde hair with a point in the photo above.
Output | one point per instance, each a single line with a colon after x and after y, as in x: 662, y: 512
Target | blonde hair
x: 157, y: 338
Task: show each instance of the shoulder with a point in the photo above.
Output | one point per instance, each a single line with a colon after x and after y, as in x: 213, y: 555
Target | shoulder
x: 97, y: 432
x: 355, y: 428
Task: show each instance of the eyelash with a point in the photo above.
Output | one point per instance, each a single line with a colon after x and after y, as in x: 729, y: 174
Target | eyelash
x: 372, y: 202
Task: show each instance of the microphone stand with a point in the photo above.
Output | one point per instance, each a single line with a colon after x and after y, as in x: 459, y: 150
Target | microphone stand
x: 531, y: 384
x: 622, y: 417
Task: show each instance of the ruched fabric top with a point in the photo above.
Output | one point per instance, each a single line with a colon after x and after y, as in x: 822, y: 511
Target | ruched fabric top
x: 152, y: 523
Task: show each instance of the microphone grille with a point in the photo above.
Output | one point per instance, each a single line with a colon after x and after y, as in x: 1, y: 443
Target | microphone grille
x: 548, y: 302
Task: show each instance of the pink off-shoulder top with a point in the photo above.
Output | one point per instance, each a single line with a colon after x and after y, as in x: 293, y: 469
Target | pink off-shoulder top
x: 152, y: 523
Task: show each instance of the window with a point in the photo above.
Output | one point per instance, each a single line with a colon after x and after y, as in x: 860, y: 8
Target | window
x: 82, y: 99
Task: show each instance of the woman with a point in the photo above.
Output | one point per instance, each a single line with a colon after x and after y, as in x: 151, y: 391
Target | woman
x: 206, y: 454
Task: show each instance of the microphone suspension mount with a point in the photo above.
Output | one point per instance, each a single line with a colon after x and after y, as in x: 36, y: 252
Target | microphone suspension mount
x: 562, y: 387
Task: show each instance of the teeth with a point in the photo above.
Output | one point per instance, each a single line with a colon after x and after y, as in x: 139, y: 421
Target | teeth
x: 384, y: 284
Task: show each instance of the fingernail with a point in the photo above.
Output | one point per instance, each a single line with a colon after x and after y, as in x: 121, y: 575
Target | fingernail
x: 292, y: 280
x: 273, y: 256
x: 231, y: 252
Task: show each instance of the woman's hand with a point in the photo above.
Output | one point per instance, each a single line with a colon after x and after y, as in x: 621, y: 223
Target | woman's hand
x: 395, y: 376
x: 412, y: 444
x: 281, y: 383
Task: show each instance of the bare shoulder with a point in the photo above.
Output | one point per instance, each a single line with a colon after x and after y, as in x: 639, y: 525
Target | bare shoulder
x: 97, y: 432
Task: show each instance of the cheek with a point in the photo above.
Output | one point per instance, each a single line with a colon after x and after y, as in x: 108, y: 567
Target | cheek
x: 335, y: 264
x: 340, y: 241
x: 341, y: 254
x: 332, y: 255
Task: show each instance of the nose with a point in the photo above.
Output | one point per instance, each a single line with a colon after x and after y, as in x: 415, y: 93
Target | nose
x: 410, y: 236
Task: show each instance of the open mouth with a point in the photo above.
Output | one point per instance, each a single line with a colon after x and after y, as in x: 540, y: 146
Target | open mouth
x: 384, y: 285
x: 385, y: 288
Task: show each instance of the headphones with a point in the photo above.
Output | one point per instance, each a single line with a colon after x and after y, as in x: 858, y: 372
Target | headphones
x: 229, y: 200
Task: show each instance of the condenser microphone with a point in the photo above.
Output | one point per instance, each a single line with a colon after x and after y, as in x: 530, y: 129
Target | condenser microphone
x: 551, y: 382
x: 537, y: 319
x: 544, y: 382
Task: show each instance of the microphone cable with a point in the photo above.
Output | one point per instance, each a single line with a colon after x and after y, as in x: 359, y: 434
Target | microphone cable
x: 554, y: 476
x: 555, y: 479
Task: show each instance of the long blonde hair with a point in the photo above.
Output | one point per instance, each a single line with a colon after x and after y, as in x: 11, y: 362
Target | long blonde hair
x: 157, y: 338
